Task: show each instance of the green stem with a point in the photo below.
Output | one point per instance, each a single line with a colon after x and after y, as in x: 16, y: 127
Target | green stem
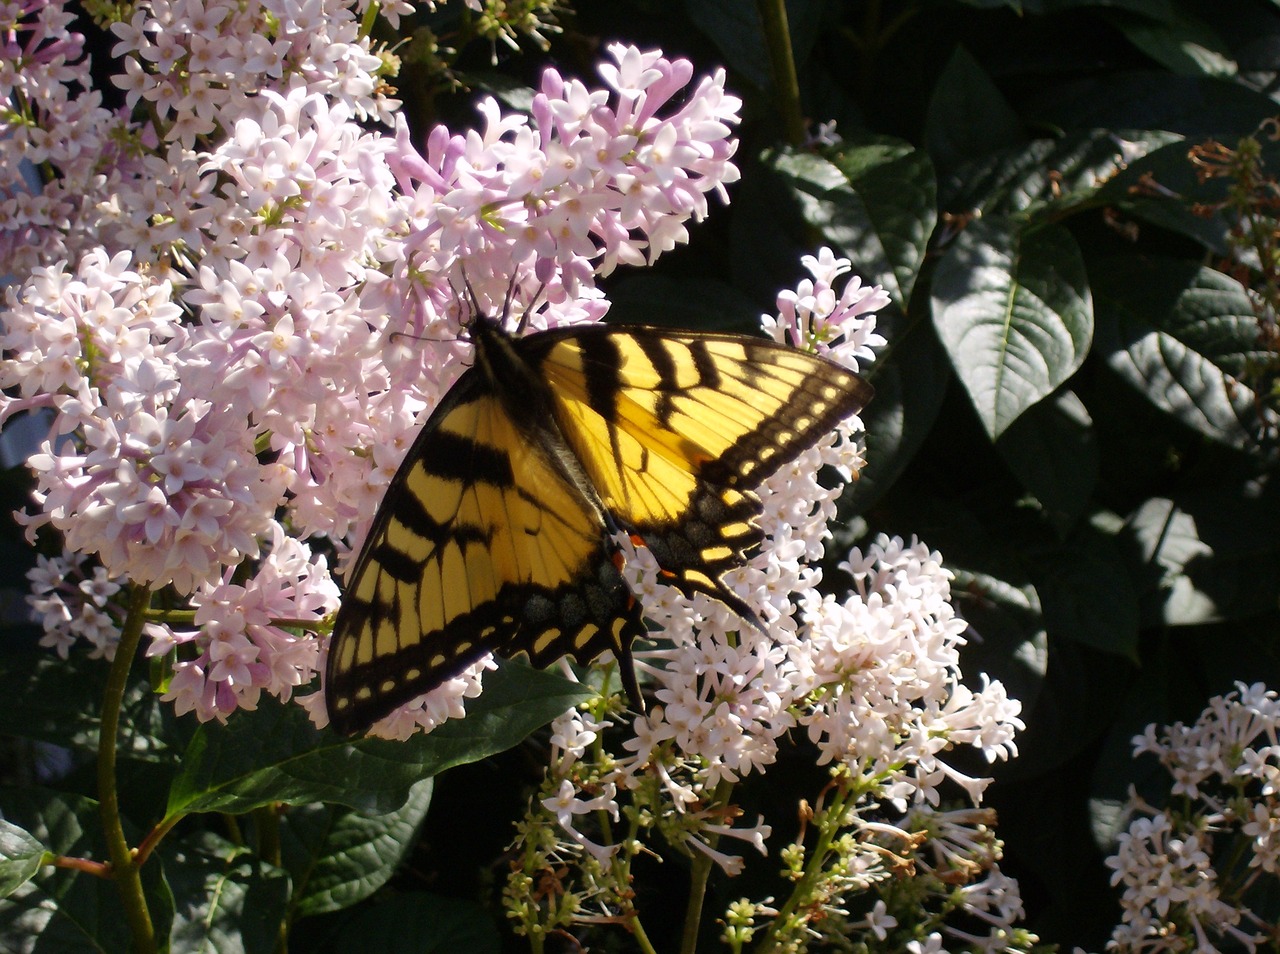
x: 786, y: 88
x: 699, y: 874
x: 637, y: 931
x: 370, y: 17
x: 124, y: 866
x: 828, y: 824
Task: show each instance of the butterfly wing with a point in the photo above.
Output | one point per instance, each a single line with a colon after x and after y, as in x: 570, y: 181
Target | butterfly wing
x: 480, y: 545
x: 676, y: 429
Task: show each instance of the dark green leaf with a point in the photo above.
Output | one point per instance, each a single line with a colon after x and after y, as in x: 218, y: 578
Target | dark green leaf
x: 276, y: 755
x: 911, y: 380
x: 339, y: 857
x: 884, y: 225
x: 420, y: 923
x: 1048, y: 177
x: 1208, y: 555
x: 1183, y: 336
x: 768, y: 234
x: 228, y: 901
x: 57, y: 700
x: 738, y: 33
x: 1006, y: 638
x: 968, y: 117
x: 61, y: 911
x: 1151, y: 99
x: 1179, y: 41
x: 510, y: 91
x: 1087, y: 593
x: 875, y: 201
x: 1015, y: 5
x: 21, y: 856
x: 1052, y: 451
x: 1161, y: 187
x: 1013, y: 310
x: 677, y: 302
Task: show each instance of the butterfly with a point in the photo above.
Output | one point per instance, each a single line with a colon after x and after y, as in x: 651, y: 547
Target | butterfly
x: 498, y: 532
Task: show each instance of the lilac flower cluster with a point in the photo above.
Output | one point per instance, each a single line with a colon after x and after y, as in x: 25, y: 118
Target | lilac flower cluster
x: 1192, y: 871
x: 209, y: 285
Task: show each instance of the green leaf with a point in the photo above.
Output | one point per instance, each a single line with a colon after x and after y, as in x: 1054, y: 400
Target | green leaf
x: 767, y: 233
x: 874, y: 200
x: 276, y: 755
x: 1007, y: 639
x: 738, y: 33
x: 61, y: 911
x: 1013, y: 310
x: 968, y: 117
x: 885, y: 229
x: 227, y: 900
x: 1015, y: 5
x: 1048, y: 177
x: 57, y: 701
x: 339, y: 857
x: 1087, y: 593
x: 679, y: 302
x: 420, y: 923
x: 510, y: 91
x: 911, y: 381
x: 21, y: 856
x: 1193, y: 106
x: 1207, y: 555
x: 1180, y: 42
x: 1162, y: 188
x: 1183, y: 336
x: 1052, y: 451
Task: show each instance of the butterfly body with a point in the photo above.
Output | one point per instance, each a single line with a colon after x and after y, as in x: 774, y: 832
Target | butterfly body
x: 497, y: 533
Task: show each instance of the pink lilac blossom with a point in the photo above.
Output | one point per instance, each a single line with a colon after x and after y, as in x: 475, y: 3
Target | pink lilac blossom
x: 71, y: 601
x: 41, y: 63
x: 237, y: 649
x: 219, y: 333
x: 591, y: 179
x: 196, y: 66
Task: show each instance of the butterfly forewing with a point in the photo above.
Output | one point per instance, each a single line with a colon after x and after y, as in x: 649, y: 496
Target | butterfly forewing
x: 675, y: 429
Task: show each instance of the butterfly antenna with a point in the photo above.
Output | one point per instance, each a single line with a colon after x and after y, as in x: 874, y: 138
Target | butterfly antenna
x: 529, y: 308
x: 471, y: 298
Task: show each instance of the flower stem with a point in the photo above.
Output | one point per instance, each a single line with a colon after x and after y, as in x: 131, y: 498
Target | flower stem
x: 699, y: 873
x: 124, y: 865
x: 786, y: 87
x: 828, y: 825
x: 641, y: 937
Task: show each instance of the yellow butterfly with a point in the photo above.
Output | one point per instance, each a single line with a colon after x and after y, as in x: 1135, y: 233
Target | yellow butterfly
x: 497, y: 533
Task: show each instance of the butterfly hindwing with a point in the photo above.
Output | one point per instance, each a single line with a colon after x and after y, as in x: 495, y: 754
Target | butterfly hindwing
x: 480, y: 546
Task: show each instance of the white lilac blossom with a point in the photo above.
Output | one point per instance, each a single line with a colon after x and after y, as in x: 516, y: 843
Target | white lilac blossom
x: 1193, y: 872
x: 870, y: 680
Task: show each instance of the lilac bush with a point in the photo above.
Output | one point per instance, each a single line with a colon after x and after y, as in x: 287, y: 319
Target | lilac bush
x: 236, y: 297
